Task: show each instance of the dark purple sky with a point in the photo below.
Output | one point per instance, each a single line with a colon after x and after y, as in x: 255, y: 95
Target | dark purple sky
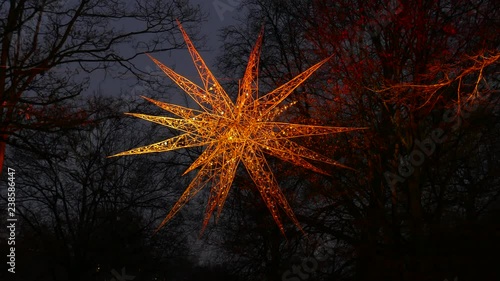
x: 221, y: 13
x: 218, y: 18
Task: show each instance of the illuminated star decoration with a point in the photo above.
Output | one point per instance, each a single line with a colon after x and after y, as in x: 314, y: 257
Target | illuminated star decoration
x: 234, y: 133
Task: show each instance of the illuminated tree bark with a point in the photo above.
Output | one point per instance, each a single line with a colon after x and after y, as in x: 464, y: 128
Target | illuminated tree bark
x: 407, y: 70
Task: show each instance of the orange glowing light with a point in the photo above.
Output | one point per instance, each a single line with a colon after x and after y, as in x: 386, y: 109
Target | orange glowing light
x: 234, y: 133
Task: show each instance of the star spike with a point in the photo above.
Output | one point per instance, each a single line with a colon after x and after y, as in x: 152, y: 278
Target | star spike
x: 275, y: 97
x: 249, y: 87
x: 219, y: 98
x: 178, y: 110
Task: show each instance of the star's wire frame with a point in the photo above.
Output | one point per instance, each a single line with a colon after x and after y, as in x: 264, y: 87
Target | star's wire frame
x: 234, y: 132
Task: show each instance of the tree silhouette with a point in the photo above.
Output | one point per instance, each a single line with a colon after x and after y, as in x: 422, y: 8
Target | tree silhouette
x: 422, y: 75
x: 49, y: 48
x: 91, y: 214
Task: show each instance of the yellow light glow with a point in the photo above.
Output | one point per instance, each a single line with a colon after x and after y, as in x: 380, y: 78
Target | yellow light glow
x: 234, y: 133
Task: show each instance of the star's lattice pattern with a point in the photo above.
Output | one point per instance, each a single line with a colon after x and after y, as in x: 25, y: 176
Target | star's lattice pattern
x: 234, y: 133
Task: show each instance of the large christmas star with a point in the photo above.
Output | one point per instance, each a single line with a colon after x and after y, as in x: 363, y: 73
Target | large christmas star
x: 234, y: 133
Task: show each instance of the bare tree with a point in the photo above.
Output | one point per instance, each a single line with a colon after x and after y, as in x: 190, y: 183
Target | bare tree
x: 91, y: 213
x: 50, y: 47
x: 405, y: 69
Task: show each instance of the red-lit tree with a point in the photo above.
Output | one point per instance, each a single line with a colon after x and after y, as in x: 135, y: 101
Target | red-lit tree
x: 400, y: 68
x: 416, y: 73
